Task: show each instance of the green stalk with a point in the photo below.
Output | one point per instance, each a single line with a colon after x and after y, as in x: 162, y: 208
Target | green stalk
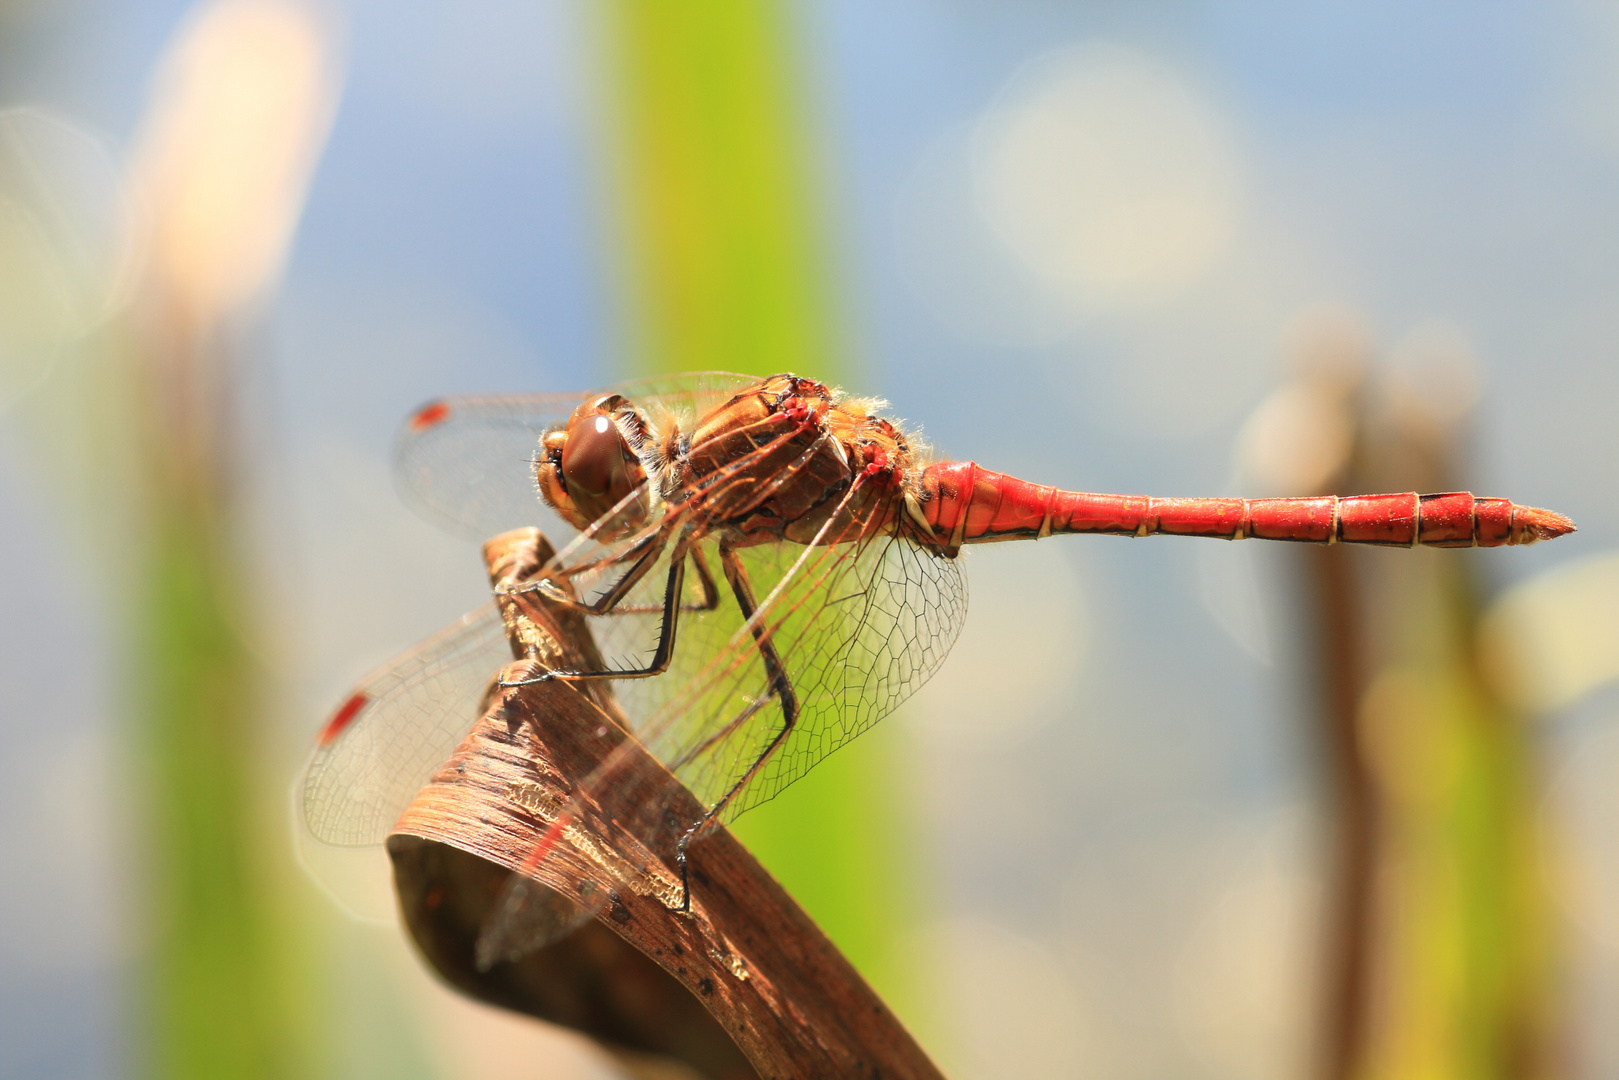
x: 213, y: 1008
x: 717, y: 195
x: 1464, y: 958
x: 720, y: 218
x: 238, y: 115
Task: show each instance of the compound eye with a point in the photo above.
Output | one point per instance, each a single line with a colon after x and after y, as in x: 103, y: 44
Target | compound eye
x: 591, y: 460
x: 598, y: 466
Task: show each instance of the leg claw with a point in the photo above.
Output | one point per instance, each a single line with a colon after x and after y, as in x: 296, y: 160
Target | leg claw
x: 507, y: 684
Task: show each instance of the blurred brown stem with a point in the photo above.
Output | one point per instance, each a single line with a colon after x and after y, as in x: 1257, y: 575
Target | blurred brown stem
x: 1341, y: 678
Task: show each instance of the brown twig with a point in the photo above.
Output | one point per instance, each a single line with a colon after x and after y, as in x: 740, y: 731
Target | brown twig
x: 1341, y: 678
x: 642, y: 975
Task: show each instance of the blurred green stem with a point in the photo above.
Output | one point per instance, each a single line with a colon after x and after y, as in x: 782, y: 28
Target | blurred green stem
x: 212, y: 1007
x: 720, y: 223
x: 717, y: 190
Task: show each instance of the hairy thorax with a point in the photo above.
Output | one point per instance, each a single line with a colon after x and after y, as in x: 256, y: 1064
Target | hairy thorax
x: 786, y: 461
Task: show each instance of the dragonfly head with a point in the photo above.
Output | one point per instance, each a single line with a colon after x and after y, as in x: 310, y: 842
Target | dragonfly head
x: 590, y: 466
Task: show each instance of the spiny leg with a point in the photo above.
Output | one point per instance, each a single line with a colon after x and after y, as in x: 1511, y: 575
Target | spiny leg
x: 748, y: 606
x: 711, y: 595
x: 705, y: 581
x: 666, y: 633
x: 737, y: 575
x: 719, y: 736
x: 644, y: 551
x: 611, y: 603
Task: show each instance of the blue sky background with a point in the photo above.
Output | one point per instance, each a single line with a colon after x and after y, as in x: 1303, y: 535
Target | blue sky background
x: 1445, y: 161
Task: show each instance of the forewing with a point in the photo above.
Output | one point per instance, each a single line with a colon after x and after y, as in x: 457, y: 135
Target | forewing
x: 859, y: 627
x: 467, y: 463
x: 400, y: 724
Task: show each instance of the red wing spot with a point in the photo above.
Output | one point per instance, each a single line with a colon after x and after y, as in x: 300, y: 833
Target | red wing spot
x: 548, y: 840
x: 343, y: 717
x: 429, y: 415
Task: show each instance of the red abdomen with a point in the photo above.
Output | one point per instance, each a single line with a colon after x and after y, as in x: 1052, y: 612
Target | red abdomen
x: 965, y: 504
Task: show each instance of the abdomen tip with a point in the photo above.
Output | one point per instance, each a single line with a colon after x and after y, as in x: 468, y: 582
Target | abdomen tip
x: 1534, y: 524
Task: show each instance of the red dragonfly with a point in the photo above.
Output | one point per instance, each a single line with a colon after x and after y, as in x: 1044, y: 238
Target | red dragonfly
x: 837, y: 543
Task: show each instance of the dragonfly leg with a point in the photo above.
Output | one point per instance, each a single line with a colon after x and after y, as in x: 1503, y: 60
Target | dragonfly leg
x: 666, y: 634
x: 711, y: 595
x: 611, y: 602
x: 719, y: 736
x: 645, y: 552
x: 780, y: 685
x: 610, y: 605
x: 705, y: 581
x: 635, y: 550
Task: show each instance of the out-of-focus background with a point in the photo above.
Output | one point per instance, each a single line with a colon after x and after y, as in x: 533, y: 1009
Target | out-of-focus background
x: 1172, y: 808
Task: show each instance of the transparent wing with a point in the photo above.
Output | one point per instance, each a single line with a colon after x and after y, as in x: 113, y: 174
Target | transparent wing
x: 859, y: 626
x: 467, y: 463
x: 400, y: 724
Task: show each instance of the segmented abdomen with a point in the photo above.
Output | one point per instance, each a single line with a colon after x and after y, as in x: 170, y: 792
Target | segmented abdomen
x: 965, y: 504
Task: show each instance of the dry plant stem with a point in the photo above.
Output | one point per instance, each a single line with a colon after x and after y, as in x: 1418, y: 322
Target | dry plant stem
x: 745, y: 951
x: 1341, y: 679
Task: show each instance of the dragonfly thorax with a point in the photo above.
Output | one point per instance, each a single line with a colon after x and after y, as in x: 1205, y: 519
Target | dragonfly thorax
x: 785, y: 460
x: 807, y: 464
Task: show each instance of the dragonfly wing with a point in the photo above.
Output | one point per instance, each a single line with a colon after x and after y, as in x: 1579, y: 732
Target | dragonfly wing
x: 467, y: 463
x: 401, y: 723
x: 859, y: 627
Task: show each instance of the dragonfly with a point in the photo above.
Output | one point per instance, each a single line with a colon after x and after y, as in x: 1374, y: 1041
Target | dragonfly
x: 771, y: 567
